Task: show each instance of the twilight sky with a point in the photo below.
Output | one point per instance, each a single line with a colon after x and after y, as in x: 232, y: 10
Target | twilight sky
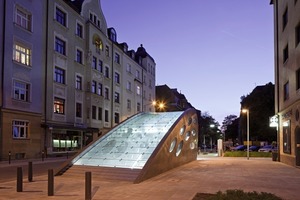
x: 212, y: 51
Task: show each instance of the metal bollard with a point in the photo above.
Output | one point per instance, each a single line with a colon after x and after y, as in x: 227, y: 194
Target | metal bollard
x: 9, y: 157
x: 88, y: 185
x: 19, y: 179
x: 30, y: 171
x: 50, y: 182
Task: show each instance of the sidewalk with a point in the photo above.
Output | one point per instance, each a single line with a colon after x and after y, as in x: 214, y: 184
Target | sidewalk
x: 208, y: 174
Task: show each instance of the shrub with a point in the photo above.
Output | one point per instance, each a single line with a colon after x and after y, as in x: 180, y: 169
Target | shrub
x: 236, y: 195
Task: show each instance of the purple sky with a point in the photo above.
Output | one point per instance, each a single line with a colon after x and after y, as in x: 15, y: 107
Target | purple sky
x: 212, y: 51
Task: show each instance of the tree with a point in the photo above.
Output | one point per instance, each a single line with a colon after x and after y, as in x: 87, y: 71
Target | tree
x: 230, y: 127
x: 260, y: 103
x: 208, y: 129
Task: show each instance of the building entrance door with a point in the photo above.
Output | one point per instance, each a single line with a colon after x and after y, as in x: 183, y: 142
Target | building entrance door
x: 297, y: 141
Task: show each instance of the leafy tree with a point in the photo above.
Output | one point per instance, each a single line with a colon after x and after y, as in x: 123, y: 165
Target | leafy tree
x: 260, y: 103
x: 208, y: 128
x: 230, y: 127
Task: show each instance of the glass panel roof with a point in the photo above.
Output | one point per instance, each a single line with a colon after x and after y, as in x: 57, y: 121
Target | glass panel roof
x: 130, y: 144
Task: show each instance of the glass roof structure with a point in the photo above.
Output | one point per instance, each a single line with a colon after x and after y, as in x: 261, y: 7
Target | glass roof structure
x: 130, y: 144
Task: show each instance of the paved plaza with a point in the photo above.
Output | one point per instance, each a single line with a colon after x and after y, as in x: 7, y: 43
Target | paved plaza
x: 206, y: 175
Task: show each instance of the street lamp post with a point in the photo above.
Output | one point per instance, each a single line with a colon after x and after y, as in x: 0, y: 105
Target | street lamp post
x: 247, y: 111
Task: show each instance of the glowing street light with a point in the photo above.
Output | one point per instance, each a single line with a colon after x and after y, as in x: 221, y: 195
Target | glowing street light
x: 247, y: 111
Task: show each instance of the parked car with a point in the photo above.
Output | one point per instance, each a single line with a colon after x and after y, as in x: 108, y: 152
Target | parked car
x: 252, y: 148
x: 268, y: 148
x: 239, y: 148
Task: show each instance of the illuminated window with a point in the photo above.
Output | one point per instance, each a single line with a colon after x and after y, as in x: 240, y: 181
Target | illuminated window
x: 22, y: 54
x: 59, y: 105
x: 20, y: 129
x: 138, y: 90
x: 23, y: 19
x: 21, y: 91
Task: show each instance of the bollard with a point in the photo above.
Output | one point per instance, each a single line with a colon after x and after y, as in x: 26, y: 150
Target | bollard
x: 42, y: 155
x: 9, y: 157
x: 19, y: 179
x: 88, y: 185
x: 50, y: 182
x: 30, y: 171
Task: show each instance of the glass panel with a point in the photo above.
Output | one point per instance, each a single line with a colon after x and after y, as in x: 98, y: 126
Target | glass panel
x: 130, y: 144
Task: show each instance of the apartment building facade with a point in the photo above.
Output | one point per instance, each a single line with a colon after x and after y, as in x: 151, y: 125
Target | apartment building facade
x: 22, y: 71
x: 83, y: 77
x: 287, y: 78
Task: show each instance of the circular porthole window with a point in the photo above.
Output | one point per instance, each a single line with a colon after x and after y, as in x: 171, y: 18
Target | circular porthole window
x: 195, y: 120
x: 179, y: 148
x: 187, y: 135
x: 173, y: 144
x: 182, y: 130
x: 192, y: 145
x: 193, y: 132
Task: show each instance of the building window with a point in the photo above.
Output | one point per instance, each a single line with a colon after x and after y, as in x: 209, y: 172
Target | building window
x: 285, y: 53
x: 107, y: 51
x: 284, y: 19
x: 21, y: 91
x: 128, y: 104
x: 117, y: 97
x: 298, y: 79
x: 94, y: 112
x: 297, y: 33
x: 137, y: 74
x: 61, y: 16
x: 20, y: 129
x: 117, y: 118
x: 78, y: 82
x: 22, y: 54
x: 128, y: 68
x: 286, y: 91
x: 60, y: 46
x: 78, y: 110
x: 23, y: 19
x: 128, y: 85
x: 117, y: 78
x: 59, y: 75
x: 99, y: 113
x: 100, y: 65
x: 79, y: 30
x: 79, y: 56
x: 117, y: 58
x: 138, y: 90
x: 106, y: 116
x: 94, y: 85
x: 287, y: 141
x: 106, y: 93
x: 106, y: 72
x: 100, y: 89
x: 94, y: 63
x: 59, y: 105
x: 138, y: 107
